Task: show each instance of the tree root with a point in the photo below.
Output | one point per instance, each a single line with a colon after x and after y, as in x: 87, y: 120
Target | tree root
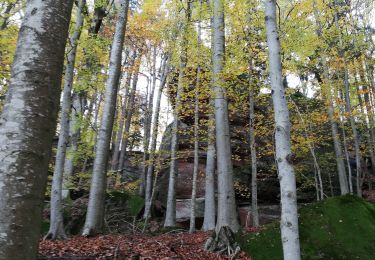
x: 223, y: 243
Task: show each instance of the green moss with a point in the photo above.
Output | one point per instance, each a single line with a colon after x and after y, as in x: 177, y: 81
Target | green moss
x: 135, y: 205
x: 336, y: 228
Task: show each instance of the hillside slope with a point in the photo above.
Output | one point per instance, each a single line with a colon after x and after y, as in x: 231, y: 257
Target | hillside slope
x: 336, y: 228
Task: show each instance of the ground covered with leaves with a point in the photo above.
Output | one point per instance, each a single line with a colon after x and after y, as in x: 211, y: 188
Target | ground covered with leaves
x: 171, y: 245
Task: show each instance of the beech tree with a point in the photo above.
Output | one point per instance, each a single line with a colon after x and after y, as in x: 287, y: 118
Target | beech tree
x: 56, y: 222
x: 328, y: 95
x: 170, y: 216
x: 289, y: 215
x: 226, y: 209
x: 27, y: 124
x: 95, y: 209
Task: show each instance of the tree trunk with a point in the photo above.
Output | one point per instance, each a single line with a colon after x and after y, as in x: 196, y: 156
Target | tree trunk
x: 129, y: 115
x: 330, y: 109
x: 95, y: 209
x: 147, y: 126
x: 349, y: 111
x: 170, y: 216
x: 116, y: 151
x: 289, y: 215
x: 227, y: 214
x: 253, y: 152
x: 74, y: 136
x: 27, y: 125
x: 209, y: 198
x: 318, y: 175
x: 56, y: 229
x: 196, y: 129
x: 155, y: 126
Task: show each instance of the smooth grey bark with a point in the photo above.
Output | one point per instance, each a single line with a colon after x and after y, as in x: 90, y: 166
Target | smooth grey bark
x: 346, y: 152
x: 56, y: 229
x: 330, y: 109
x: 27, y: 125
x: 116, y: 152
x: 170, y: 216
x: 348, y: 109
x: 209, y: 221
x: 129, y: 115
x: 95, y: 209
x: 253, y: 151
x: 289, y: 214
x: 97, y: 99
x: 227, y: 213
x: 209, y: 197
x: 196, y: 128
x: 149, y: 189
x: 147, y: 126
x: 74, y: 134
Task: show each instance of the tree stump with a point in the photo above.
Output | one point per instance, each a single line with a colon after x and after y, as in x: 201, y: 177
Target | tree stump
x: 223, y: 243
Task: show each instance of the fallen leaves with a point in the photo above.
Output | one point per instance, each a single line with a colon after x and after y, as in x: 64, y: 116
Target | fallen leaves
x: 182, y: 246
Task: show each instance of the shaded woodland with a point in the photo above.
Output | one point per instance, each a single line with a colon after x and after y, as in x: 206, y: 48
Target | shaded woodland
x: 225, y: 129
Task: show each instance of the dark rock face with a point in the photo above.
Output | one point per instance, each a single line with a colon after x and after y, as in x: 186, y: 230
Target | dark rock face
x: 267, y: 214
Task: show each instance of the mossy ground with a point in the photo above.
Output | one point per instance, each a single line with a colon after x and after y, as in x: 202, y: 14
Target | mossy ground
x: 336, y: 228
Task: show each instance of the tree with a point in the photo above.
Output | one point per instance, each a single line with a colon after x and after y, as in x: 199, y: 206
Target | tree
x: 196, y: 127
x: 149, y: 189
x: 56, y: 229
x: 170, y: 216
x: 95, y: 209
x: 27, y: 124
x: 348, y: 108
x: 227, y: 214
x: 328, y: 96
x: 289, y: 216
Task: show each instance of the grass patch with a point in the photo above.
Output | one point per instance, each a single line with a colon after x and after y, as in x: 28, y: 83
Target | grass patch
x: 336, y: 228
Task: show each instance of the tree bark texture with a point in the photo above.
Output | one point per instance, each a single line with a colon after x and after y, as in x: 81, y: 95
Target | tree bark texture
x: 227, y: 213
x: 27, y: 125
x: 56, y: 229
x: 95, y: 209
x: 289, y: 215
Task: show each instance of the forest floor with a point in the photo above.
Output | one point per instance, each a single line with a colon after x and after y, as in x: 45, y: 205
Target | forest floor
x: 336, y: 228
x: 179, y: 245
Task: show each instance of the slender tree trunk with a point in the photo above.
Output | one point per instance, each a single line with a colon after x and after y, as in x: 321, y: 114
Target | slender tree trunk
x: 56, y: 229
x: 116, y: 152
x: 289, y: 215
x: 170, y: 216
x: 335, y: 133
x: 209, y: 199
x: 129, y: 115
x: 253, y: 152
x: 254, y: 186
x: 318, y: 175
x: 74, y: 133
x: 149, y: 189
x: 95, y: 209
x: 27, y: 125
x: 209, y: 221
x: 349, y: 111
x: 227, y: 213
x: 147, y: 126
x: 346, y: 152
x: 196, y: 129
